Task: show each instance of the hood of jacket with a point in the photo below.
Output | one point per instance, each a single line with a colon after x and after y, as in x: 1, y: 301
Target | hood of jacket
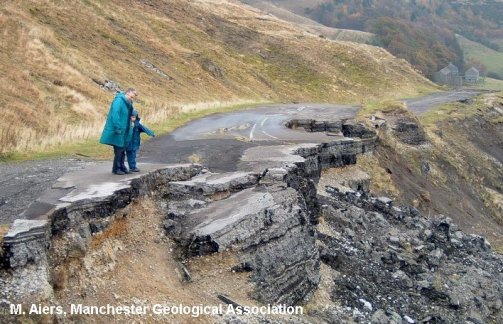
x: 122, y: 95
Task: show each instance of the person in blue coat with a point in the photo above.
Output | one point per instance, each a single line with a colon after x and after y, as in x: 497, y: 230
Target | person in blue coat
x: 134, y: 144
x: 118, y: 128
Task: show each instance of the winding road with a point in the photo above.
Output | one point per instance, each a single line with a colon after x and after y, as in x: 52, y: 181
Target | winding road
x: 421, y: 105
x: 218, y: 141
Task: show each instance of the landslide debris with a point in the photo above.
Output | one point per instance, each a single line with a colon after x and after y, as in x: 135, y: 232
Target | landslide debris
x: 393, y: 265
x: 276, y: 236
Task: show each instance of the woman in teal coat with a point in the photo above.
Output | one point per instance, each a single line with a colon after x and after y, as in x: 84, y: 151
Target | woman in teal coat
x: 118, y: 128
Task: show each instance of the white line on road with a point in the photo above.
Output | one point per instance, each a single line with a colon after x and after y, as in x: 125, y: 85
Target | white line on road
x: 251, y: 133
x: 266, y: 133
x: 263, y: 121
x: 301, y: 108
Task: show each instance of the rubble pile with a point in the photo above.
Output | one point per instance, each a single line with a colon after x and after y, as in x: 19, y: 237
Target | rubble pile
x: 396, y: 266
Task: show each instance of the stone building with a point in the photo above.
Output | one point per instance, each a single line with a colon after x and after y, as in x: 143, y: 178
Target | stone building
x: 449, y: 75
x: 472, y: 75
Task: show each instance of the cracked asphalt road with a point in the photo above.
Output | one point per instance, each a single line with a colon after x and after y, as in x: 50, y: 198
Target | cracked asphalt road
x: 217, y: 141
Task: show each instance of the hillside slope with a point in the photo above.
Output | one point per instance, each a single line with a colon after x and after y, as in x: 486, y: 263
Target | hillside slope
x: 422, y: 32
x: 446, y: 161
x: 491, y: 59
x: 284, y: 12
x: 298, y: 6
x: 55, y: 59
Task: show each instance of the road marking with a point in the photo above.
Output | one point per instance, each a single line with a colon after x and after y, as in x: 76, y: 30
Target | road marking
x: 263, y: 121
x: 301, y: 108
x: 266, y: 133
x: 251, y: 133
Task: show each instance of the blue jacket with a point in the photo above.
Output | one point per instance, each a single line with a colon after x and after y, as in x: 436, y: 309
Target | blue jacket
x: 134, y: 144
x: 118, y: 126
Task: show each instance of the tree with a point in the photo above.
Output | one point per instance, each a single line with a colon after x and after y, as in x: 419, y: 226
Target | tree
x: 478, y: 65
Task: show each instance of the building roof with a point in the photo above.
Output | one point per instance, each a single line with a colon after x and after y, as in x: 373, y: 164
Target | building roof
x: 452, y: 67
x: 449, y: 69
x: 472, y: 70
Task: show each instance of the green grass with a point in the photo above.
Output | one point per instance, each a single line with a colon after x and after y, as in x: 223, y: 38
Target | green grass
x: 91, y: 147
x: 493, y: 60
x: 498, y: 41
x: 86, y: 148
x: 488, y: 84
x: 453, y: 110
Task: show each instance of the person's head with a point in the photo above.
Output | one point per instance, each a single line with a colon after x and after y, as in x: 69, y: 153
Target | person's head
x: 134, y: 115
x: 131, y: 94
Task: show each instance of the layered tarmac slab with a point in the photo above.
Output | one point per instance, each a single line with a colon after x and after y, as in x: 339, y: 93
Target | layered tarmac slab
x: 94, y: 182
x: 210, y: 183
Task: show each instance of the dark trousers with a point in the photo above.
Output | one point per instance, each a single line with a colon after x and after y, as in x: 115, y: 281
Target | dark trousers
x: 131, y: 158
x: 119, y: 159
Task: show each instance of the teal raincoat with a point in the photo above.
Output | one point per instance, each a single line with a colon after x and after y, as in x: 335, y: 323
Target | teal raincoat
x: 117, y: 129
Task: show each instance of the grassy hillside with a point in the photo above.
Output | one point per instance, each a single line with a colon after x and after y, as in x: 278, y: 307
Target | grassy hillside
x: 177, y: 53
x: 499, y: 42
x: 285, y: 10
x: 457, y: 172
x: 298, y: 6
x: 422, y: 32
x: 493, y: 60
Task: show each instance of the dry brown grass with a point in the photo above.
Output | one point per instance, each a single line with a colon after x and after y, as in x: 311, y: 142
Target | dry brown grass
x: 381, y: 183
x: 297, y: 6
x: 292, y: 11
x: 4, y: 229
x: 50, y: 52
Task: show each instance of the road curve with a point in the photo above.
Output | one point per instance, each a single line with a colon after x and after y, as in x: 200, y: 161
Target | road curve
x: 263, y: 123
x: 219, y: 140
x: 423, y: 104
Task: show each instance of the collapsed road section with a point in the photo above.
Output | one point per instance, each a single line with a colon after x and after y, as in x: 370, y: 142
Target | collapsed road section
x: 284, y: 240
x: 275, y: 201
